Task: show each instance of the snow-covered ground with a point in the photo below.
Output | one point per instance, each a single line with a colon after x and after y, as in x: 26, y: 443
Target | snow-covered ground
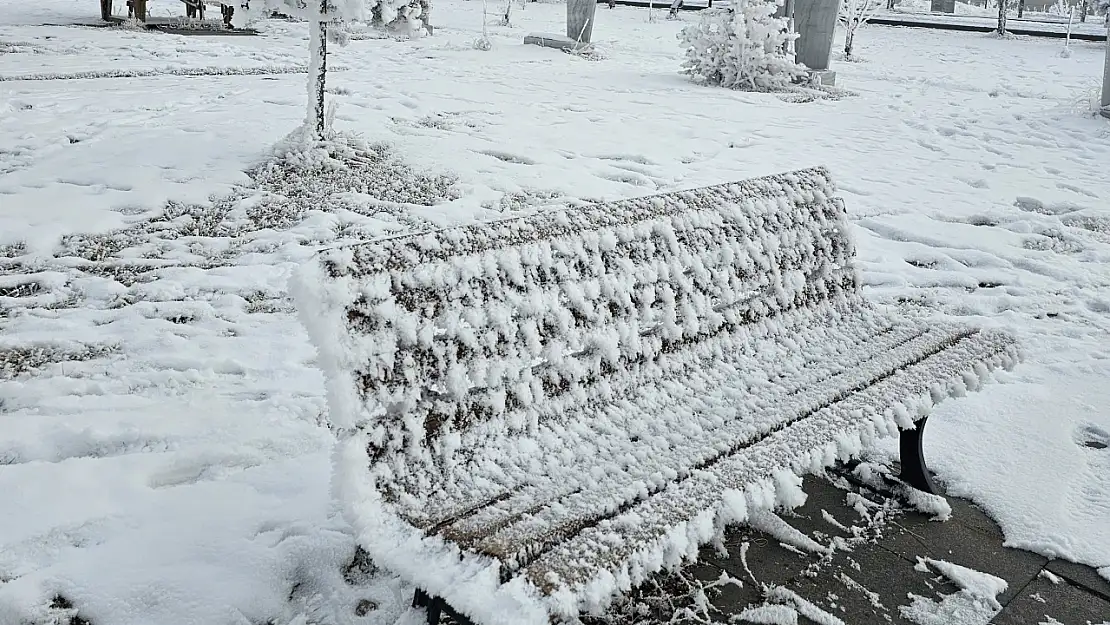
x: 1030, y: 25
x: 161, y: 454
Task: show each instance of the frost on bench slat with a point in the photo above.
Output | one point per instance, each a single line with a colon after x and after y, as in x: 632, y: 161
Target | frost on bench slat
x: 746, y: 415
x: 759, y: 374
x: 443, y: 332
x: 607, y: 556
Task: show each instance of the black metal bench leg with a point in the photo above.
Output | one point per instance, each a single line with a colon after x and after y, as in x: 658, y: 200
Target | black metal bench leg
x: 432, y: 605
x: 914, y: 471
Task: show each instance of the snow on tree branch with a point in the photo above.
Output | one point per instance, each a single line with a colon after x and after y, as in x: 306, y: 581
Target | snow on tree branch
x: 852, y: 15
x: 409, y: 15
x: 254, y: 10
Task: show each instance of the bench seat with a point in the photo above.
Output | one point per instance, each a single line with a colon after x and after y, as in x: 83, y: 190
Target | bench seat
x: 535, y: 414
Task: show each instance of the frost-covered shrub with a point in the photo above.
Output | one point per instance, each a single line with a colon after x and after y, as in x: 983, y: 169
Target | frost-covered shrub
x: 405, y: 15
x: 741, y: 47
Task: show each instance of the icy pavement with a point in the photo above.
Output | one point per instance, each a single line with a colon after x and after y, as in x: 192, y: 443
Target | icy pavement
x: 873, y: 560
x: 160, y: 454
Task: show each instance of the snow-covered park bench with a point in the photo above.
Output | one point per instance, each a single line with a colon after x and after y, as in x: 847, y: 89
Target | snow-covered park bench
x: 536, y: 413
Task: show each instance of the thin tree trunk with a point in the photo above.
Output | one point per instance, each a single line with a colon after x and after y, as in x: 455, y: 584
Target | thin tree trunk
x: 849, y: 39
x: 1021, y: 8
x: 1001, y: 17
x: 1083, y: 11
x: 317, y: 71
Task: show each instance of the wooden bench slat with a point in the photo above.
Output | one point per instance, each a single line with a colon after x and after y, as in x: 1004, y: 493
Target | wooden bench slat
x: 501, y: 341
x: 520, y: 542
x: 504, y: 311
x: 815, y: 361
x: 611, y: 544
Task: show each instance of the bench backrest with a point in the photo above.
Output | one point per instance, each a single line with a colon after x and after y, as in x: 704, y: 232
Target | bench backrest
x: 480, y: 330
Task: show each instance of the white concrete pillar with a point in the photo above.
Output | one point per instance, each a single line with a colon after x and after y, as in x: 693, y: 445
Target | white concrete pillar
x: 815, y: 23
x: 580, y: 19
x: 1106, y: 75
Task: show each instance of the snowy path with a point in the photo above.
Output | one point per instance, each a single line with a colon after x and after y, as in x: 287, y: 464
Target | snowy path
x: 188, y: 460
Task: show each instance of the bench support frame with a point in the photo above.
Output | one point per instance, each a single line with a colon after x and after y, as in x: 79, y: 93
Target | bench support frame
x: 914, y: 471
x: 437, y: 607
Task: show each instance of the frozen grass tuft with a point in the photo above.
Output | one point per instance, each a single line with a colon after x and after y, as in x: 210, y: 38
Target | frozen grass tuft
x: 311, y: 177
x: 18, y: 360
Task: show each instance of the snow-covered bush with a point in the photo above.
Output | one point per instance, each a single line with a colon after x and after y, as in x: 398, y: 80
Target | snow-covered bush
x: 743, y: 46
x: 853, y: 14
x: 409, y: 16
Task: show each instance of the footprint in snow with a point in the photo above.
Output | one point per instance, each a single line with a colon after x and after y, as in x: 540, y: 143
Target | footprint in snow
x: 509, y: 158
x: 632, y: 158
x: 929, y: 146
x: 1090, y: 503
x: 1091, y: 223
x: 1076, y: 189
x: 628, y: 177
x: 1033, y: 205
x: 1092, y: 436
x: 976, y: 183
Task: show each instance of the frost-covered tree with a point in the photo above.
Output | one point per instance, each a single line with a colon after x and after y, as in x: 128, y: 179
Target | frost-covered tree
x: 1002, y: 7
x: 741, y: 47
x: 320, y: 14
x: 853, y: 14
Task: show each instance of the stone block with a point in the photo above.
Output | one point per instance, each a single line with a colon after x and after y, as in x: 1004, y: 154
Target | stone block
x: 825, y: 77
x: 969, y: 539
x: 1080, y: 575
x: 1042, y: 599
x: 551, y: 41
x: 868, y: 585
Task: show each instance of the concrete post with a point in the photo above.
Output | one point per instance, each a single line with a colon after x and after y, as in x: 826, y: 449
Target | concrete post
x: 815, y: 23
x: 1106, y: 76
x: 580, y: 19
